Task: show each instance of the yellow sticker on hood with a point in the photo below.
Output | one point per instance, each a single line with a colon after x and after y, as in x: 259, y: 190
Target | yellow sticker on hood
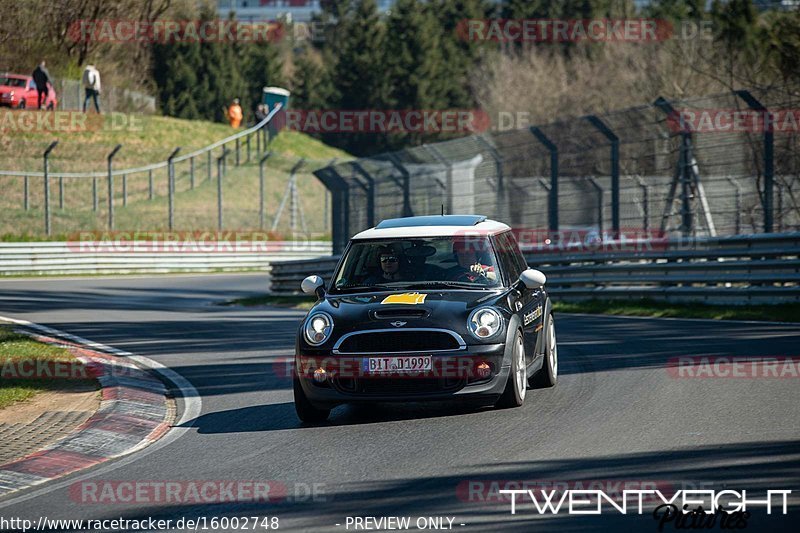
x: 412, y: 298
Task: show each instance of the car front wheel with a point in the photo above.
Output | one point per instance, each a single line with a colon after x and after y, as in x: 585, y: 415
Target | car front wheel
x: 517, y: 385
x: 306, y: 412
x: 548, y: 375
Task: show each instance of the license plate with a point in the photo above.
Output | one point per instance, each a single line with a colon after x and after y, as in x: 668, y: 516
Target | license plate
x: 414, y: 363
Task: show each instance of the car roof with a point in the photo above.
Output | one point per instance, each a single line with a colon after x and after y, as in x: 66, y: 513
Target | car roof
x: 433, y: 226
x: 18, y: 76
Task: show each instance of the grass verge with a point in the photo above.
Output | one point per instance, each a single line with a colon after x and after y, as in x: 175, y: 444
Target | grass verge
x: 16, y: 348
x: 655, y: 309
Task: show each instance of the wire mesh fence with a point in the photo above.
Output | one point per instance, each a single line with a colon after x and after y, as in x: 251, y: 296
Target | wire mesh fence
x: 236, y: 184
x: 709, y: 166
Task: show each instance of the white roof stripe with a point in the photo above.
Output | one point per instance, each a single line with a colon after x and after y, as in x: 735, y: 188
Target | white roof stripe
x: 487, y: 227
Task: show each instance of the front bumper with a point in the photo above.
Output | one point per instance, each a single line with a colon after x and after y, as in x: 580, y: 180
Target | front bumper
x: 453, y: 377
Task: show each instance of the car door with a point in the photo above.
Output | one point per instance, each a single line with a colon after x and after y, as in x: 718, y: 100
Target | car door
x: 528, y: 303
x: 30, y: 95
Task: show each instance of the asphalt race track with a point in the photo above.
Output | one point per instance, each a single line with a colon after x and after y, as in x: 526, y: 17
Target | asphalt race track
x: 617, y: 415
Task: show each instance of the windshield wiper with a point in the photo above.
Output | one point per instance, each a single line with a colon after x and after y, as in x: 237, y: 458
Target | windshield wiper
x: 357, y: 287
x: 443, y: 283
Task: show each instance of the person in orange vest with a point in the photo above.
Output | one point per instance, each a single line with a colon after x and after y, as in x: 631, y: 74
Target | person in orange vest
x: 234, y: 113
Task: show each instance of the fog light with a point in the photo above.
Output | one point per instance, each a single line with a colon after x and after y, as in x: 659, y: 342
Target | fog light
x: 320, y: 375
x: 483, y: 370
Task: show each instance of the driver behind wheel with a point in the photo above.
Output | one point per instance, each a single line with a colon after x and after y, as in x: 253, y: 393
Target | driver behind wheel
x: 472, y: 265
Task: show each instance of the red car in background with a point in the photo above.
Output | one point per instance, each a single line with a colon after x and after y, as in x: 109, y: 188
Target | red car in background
x: 18, y: 91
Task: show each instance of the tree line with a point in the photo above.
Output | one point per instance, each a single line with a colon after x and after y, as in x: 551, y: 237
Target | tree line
x: 415, y: 57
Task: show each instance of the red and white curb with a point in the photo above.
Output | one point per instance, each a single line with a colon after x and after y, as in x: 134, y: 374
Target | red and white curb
x: 134, y: 412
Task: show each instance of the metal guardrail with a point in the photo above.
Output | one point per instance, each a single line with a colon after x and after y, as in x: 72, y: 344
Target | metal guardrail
x: 49, y: 258
x: 742, y: 269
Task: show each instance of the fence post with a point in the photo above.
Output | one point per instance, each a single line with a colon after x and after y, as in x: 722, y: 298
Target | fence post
x: 248, y: 147
x: 600, y: 191
x: 681, y: 173
x: 46, y: 157
x: 191, y: 172
x: 171, y: 186
x: 645, y: 202
x: 150, y: 184
x: 261, y: 191
x: 26, y: 201
x: 340, y: 206
x: 431, y: 149
x: 208, y: 166
x: 111, y: 186
x: 220, y: 171
x: 769, y: 158
x: 370, y: 190
x: 614, y: 140
x: 738, y: 204
x: 406, y: 185
x: 237, y: 151
x: 553, y: 149
x: 498, y: 159
x: 94, y: 195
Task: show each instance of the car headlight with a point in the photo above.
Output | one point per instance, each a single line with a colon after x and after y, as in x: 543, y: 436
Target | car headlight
x: 318, y: 328
x: 484, y: 322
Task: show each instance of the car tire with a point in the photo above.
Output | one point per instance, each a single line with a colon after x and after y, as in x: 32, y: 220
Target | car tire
x: 517, y: 384
x: 21, y: 104
x: 548, y: 375
x: 51, y: 107
x: 305, y: 411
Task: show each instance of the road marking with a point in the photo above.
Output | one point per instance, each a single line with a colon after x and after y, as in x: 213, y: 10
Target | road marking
x: 192, y: 407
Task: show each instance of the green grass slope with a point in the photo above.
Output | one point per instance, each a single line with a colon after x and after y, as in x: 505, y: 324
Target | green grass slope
x: 151, y: 141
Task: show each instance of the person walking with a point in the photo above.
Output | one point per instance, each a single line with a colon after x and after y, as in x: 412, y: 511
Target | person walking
x: 41, y: 77
x: 91, y: 86
x: 261, y: 113
x: 234, y: 113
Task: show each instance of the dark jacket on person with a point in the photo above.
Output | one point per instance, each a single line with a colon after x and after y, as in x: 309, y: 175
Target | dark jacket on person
x: 41, y: 77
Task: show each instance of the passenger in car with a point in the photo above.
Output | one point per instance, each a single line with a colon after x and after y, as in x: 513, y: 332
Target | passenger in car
x: 390, y: 264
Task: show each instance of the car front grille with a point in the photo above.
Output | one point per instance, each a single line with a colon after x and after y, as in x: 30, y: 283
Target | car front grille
x: 382, y: 342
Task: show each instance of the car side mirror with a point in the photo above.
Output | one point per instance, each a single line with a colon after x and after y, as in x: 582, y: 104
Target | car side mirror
x: 313, y: 285
x: 532, y: 278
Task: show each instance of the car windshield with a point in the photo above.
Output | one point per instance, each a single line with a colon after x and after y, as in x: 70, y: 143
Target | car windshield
x: 418, y: 263
x: 12, y: 82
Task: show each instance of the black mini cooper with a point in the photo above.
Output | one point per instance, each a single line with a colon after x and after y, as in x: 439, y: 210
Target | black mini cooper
x: 426, y: 308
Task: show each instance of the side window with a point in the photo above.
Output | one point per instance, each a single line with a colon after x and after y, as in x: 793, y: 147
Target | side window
x: 32, y: 85
x: 506, y: 257
x: 519, y: 259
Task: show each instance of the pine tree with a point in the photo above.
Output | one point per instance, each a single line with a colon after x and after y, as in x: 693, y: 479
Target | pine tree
x: 358, y: 75
x: 414, y: 62
x: 459, y: 54
x: 312, y: 88
x: 261, y: 66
